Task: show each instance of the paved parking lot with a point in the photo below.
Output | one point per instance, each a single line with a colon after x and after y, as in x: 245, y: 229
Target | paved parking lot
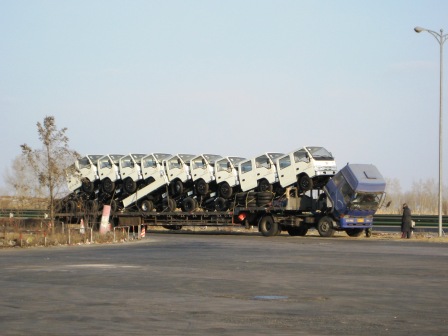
x: 221, y: 284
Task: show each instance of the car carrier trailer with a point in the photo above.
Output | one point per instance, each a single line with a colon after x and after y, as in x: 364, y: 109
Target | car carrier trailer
x: 346, y: 203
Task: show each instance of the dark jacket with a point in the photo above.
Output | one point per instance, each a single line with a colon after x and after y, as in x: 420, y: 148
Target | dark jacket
x: 406, y: 220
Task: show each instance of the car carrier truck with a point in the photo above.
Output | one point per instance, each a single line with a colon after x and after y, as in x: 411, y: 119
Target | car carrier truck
x: 346, y: 203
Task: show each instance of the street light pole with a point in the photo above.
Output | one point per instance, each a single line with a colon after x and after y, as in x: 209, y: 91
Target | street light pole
x: 441, y: 40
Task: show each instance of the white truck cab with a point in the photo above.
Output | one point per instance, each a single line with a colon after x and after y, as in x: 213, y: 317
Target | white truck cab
x: 131, y: 171
x: 73, y: 178
x: 87, y: 167
x: 154, y: 177
x: 177, y: 168
x: 310, y: 167
x: 226, y: 174
x: 203, y: 171
x: 108, y: 171
x: 258, y: 173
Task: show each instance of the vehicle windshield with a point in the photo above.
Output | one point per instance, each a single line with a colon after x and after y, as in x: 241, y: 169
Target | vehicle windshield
x: 366, y: 201
x: 320, y: 153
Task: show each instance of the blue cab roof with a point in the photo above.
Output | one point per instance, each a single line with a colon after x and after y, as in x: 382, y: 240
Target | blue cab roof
x: 364, y: 177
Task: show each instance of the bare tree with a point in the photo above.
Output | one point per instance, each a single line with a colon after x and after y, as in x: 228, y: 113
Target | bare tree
x: 49, y: 162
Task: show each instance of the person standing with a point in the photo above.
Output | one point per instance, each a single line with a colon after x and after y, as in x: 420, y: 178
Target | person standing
x: 406, y: 222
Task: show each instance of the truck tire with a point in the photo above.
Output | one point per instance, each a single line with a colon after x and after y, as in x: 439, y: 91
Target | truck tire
x: 305, y: 183
x: 225, y: 190
x: 325, y: 227
x: 264, y: 198
x: 172, y: 205
x: 264, y: 185
x: 129, y: 185
x: 71, y: 206
x: 87, y: 186
x: 268, y: 227
x: 221, y: 204
x: 177, y: 188
x: 146, y: 206
x: 251, y: 200
x: 202, y: 187
x: 189, y: 204
x: 355, y: 232
x: 108, y: 186
x: 91, y: 206
x: 298, y: 231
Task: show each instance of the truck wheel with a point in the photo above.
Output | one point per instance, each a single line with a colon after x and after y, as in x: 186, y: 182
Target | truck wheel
x: 87, y: 186
x: 172, y: 205
x: 264, y: 198
x: 107, y: 185
x: 91, y: 205
x: 298, y: 231
x: 268, y: 227
x: 325, y: 227
x: 189, y: 204
x: 71, y: 207
x: 202, y: 187
x: 305, y: 183
x: 221, y: 204
x: 264, y: 185
x: 129, y: 185
x: 354, y: 232
x: 147, y: 206
x: 225, y: 190
x: 177, y: 188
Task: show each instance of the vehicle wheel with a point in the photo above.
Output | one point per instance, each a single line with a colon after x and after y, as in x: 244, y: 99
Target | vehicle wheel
x: 87, y: 186
x: 91, y: 205
x: 177, y: 188
x: 146, y: 206
x: 251, y: 200
x: 129, y: 185
x: 202, y: 187
x: 264, y: 198
x: 369, y: 232
x: 241, y: 199
x: 225, y: 190
x: 354, y: 232
x: 305, y: 183
x: 189, y: 204
x: 264, y: 185
x: 221, y: 204
x: 325, y: 227
x: 113, y: 206
x: 107, y: 185
x: 268, y: 227
x: 172, y: 205
x: 298, y: 231
x: 71, y: 207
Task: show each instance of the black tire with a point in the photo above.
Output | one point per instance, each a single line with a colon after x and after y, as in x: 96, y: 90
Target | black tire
x: 189, y: 204
x: 172, y: 205
x: 202, y: 187
x: 264, y: 198
x: 146, y: 206
x: 355, y: 232
x: 325, y: 227
x: 298, y: 231
x: 305, y: 183
x: 225, y: 190
x: 71, y: 207
x: 107, y: 186
x: 251, y: 200
x: 264, y: 185
x: 129, y: 185
x: 177, y: 188
x: 221, y: 204
x: 268, y: 227
x: 113, y: 205
x: 87, y: 186
x: 92, y: 206
x: 241, y: 199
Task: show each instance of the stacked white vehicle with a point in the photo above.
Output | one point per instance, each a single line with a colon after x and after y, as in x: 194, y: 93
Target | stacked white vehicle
x: 165, y: 182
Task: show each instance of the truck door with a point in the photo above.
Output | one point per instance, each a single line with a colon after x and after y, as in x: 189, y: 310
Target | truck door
x: 247, y: 175
x: 287, y: 171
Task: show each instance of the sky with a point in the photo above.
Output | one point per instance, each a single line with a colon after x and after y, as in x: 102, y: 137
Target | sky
x: 234, y: 77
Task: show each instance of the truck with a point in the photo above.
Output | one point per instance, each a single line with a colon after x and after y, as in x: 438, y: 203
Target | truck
x: 346, y: 203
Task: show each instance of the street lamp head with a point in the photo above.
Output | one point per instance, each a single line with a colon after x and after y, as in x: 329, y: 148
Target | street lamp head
x: 419, y: 29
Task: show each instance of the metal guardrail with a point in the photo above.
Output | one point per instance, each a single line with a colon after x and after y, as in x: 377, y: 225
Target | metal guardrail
x: 420, y: 220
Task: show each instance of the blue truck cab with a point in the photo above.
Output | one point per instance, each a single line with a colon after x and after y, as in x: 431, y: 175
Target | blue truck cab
x: 353, y: 196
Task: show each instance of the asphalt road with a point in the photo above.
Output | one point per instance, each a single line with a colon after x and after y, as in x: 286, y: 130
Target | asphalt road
x: 210, y: 284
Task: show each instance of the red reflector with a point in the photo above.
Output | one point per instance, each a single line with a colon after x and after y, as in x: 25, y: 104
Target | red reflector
x: 241, y: 216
